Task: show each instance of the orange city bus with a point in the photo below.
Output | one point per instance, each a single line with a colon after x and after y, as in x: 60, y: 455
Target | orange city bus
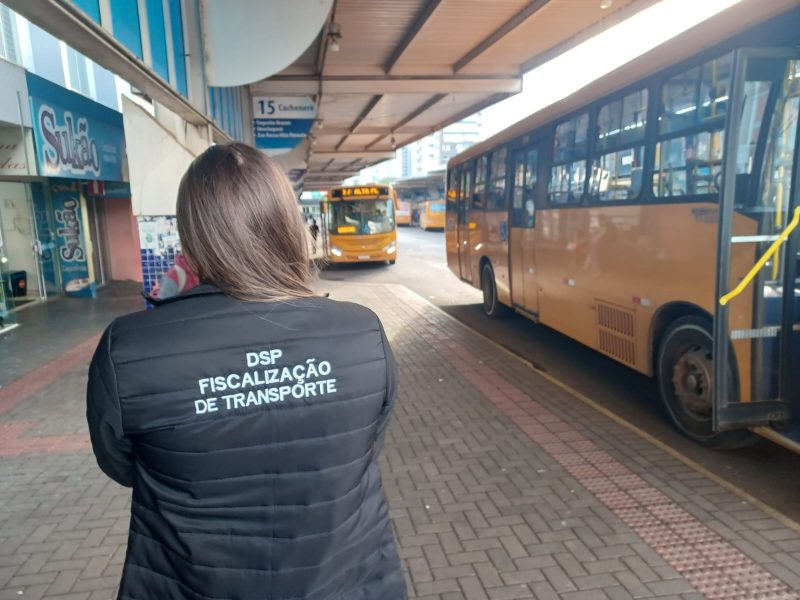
x: 653, y: 216
x: 415, y: 192
x: 358, y: 224
x: 431, y: 214
x: 403, y: 212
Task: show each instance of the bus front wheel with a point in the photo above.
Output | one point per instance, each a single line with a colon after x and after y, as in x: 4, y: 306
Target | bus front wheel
x: 685, y: 372
x: 491, y: 305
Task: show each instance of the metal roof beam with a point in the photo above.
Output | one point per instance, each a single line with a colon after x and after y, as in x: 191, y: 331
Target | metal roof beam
x: 365, y: 130
x: 499, y: 33
x: 427, y: 105
x: 322, y: 51
x: 360, y: 118
x: 388, y: 84
x: 352, y: 155
x: 408, y: 37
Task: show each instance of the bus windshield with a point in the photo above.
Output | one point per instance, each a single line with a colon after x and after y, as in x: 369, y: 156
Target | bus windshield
x: 361, y: 217
x: 436, y: 207
x: 413, y: 194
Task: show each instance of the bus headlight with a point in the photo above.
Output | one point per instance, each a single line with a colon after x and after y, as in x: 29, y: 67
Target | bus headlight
x: 336, y: 251
x: 391, y: 248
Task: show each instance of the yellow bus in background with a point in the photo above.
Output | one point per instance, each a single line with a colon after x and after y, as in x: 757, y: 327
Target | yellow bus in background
x: 414, y: 192
x: 431, y: 214
x: 403, y: 212
x: 632, y: 217
x: 358, y: 224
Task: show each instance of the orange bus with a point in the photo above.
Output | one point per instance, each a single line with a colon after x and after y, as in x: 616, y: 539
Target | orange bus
x: 403, y: 212
x: 358, y: 224
x: 431, y: 214
x: 653, y: 216
x: 416, y: 191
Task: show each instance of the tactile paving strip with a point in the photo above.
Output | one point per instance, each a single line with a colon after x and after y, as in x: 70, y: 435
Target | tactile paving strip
x: 715, y: 568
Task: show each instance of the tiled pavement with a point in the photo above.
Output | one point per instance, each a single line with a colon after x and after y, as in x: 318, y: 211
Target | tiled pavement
x: 501, y: 485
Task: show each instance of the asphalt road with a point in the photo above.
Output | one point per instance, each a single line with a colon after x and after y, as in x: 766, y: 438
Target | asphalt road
x: 766, y: 470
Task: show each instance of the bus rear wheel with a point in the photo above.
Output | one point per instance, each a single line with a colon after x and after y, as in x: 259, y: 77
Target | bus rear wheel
x: 491, y: 305
x: 685, y: 371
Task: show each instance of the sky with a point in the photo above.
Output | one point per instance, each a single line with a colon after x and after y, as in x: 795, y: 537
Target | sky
x: 598, y: 56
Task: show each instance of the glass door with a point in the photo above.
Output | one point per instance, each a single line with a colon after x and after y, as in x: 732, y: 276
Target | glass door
x: 757, y: 324
x: 7, y: 318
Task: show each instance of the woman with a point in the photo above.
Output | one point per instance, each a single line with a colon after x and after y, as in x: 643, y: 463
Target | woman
x: 247, y: 414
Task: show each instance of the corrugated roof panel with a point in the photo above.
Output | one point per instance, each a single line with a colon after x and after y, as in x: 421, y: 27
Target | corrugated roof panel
x: 555, y: 23
x: 456, y: 27
x: 371, y: 29
x: 394, y: 108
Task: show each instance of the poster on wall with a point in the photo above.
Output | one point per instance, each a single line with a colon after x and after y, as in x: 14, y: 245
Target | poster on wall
x: 158, y: 238
x: 76, y: 276
x: 44, y: 233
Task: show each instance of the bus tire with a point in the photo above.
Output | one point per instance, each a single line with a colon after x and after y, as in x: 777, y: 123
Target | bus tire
x: 391, y: 262
x: 685, y: 371
x: 491, y: 305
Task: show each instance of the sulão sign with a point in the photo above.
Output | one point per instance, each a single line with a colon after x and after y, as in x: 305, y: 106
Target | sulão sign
x: 281, y: 122
x: 75, y: 137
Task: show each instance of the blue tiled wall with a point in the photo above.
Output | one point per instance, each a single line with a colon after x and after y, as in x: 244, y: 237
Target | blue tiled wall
x: 154, y: 266
x: 160, y: 245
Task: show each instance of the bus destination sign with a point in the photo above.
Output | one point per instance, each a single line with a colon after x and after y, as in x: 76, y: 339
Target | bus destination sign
x: 360, y: 191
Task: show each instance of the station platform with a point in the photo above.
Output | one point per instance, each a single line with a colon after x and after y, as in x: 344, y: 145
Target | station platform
x: 502, y: 484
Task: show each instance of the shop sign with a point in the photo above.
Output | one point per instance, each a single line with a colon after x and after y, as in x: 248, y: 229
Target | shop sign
x: 75, y: 137
x: 12, y: 152
x: 281, y: 122
x: 70, y: 239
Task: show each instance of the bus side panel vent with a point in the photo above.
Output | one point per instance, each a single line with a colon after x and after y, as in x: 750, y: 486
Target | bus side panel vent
x: 615, y: 327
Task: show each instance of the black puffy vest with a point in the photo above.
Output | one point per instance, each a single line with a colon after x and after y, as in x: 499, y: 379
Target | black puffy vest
x: 250, y: 435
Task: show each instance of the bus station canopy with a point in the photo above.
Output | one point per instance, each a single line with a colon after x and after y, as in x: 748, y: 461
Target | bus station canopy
x: 383, y: 73
x: 407, y: 68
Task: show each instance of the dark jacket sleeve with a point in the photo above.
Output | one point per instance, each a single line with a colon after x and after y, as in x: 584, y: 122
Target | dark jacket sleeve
x: 112, y: 448
x: 391, y: 390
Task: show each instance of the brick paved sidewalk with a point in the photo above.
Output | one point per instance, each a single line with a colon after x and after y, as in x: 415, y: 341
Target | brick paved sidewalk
x: 500, y: 484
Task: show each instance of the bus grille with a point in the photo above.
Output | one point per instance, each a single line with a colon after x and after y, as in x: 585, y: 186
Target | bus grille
x: 616, y: 332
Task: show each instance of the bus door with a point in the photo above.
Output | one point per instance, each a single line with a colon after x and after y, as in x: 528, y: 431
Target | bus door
x: 464, y: 201
x: 757, y: 324
x: 524, y: 287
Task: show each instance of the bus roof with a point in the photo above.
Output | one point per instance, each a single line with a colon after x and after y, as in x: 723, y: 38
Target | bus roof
x: 703, y: 36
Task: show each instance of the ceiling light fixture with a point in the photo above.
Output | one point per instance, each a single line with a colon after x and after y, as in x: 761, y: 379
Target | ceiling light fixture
x: 604, y: 4
x: 334, y: 36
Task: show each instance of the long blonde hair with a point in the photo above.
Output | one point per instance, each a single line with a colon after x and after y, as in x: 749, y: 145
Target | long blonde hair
x: 240, y: 226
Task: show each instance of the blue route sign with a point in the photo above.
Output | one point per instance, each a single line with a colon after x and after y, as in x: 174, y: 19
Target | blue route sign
x: 281, y: 122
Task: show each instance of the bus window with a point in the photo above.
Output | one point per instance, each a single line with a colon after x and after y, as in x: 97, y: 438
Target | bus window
x: 568, y: 174
x: 479, y: 193
x: 715, y: 84
x: 691, y: 164
x: 452, y: 189
x: 496, y: 196
x: 617, y: 172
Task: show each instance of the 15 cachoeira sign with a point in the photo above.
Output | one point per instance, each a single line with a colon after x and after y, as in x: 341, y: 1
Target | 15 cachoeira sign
x: 281, y: 122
